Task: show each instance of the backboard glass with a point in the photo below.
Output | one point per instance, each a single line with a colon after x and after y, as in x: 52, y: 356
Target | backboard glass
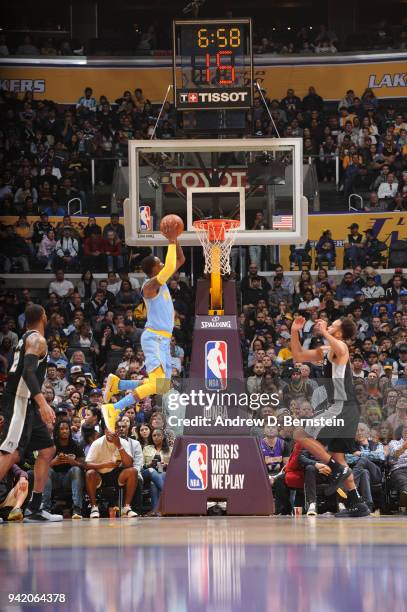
x: 258, y: 181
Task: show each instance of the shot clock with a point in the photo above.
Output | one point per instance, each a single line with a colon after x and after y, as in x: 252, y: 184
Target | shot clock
x: 213, y: 64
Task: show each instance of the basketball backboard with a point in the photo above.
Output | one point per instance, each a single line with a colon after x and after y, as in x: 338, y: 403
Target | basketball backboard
x: 231, y: 178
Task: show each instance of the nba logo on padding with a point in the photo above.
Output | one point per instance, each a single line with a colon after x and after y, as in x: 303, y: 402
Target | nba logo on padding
x: 145, y: 218
x: 216, y: 364
x: 197, y: 467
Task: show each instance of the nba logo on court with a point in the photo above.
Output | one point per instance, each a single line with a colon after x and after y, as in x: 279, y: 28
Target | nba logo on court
x: 145, y: 218
x: 197, y: 467
x: 216, y: 364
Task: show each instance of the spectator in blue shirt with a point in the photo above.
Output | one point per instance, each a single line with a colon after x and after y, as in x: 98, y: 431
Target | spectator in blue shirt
x: 364, y: 462
x: 347, y: 289
x: 55, y: 210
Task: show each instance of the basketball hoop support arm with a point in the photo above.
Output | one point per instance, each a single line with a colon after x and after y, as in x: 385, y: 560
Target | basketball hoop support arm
x: 216, y: 284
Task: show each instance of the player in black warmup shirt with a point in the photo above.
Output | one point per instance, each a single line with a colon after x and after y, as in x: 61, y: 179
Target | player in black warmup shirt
x: 26, y: 412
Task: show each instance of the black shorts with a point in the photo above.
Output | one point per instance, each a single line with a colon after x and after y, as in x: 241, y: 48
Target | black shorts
x: 342, y: 445
x: 111, y: 479
x: 23, y: 430
x: 342, y: 440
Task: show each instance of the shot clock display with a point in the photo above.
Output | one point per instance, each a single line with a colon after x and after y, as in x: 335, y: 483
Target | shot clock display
x: 213, y: 64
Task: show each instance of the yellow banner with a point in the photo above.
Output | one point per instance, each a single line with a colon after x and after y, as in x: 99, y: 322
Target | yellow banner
x: 388, y: 227
x: 65, y: 84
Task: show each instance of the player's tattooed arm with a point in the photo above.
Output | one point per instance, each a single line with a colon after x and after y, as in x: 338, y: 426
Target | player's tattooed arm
x: 36, y: 348
x: 36, y: 345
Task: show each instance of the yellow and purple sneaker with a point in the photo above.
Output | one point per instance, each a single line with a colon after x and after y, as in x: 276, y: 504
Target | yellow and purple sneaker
x: 111, y: 388
x: 110, y: 415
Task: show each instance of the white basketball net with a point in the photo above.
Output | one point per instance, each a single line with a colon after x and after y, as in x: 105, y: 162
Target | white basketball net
x: 217, y: 237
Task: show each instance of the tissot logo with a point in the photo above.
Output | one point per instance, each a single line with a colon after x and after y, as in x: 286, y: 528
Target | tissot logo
x: 224, y: 96
x: 214, y: 98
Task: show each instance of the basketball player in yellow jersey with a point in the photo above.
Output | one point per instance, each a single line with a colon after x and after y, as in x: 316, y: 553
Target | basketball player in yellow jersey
x: 156, y: 337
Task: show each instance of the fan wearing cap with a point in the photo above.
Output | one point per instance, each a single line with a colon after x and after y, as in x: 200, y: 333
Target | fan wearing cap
x: 61, y: 370
x: 373, y: 291
x: 95, y: 397
x: 75, y: 371
x: 388, y: 368
x: 403, y: 300
x: 284, y: 352
x: 353, y: 246
x: 59, y: 385
x: 402, y: 357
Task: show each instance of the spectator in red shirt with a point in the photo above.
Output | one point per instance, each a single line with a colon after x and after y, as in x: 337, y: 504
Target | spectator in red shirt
x: 112, y: 249
x: 94, y: 253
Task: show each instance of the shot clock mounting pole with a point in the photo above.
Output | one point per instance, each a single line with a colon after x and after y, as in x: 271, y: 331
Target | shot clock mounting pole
x: 170, y: 86
x: 267, y: 108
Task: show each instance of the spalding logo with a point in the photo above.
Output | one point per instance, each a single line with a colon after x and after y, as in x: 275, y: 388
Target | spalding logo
x: 215, y: 323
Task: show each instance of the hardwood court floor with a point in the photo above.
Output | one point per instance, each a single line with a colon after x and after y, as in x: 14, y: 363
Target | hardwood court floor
x: 210, y: 564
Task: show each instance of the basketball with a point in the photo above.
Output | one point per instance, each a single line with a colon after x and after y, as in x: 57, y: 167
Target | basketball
x: 171, y: 224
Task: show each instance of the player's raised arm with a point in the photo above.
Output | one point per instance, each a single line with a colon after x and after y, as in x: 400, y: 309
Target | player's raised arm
x: 174, y: 259
x: 299, y: 354
x: 36, y: 347
x: 152, y: 286
x: 338, y: 347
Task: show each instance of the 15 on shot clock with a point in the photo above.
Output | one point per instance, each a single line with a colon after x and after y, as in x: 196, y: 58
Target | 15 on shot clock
x: 213, y: 64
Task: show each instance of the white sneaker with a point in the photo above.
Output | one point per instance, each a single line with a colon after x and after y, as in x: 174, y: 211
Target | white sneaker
x: 42, y: 516
x: 94, y: 512
x: 127, y: 512
x: 312, y: 509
